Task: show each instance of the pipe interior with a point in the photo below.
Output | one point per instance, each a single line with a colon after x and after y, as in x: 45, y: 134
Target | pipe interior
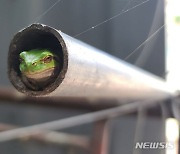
x: 28, y: 39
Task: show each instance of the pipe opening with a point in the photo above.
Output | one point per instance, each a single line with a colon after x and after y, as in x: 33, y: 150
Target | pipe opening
x: 38, y: 37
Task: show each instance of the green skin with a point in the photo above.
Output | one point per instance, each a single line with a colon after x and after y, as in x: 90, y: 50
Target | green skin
x: 37, y: 67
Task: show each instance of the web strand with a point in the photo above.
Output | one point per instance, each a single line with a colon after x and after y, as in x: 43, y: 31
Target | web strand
x: 45, y: 12
x: 109, y: 19
x: 148, y: 39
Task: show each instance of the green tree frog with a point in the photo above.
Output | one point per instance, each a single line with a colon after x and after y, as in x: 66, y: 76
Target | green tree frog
x: 38, y: 67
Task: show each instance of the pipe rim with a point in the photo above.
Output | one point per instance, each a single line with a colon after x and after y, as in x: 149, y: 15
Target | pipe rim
x: 13, y: 54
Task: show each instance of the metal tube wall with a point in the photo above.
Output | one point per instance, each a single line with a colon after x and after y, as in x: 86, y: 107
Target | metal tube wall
x: 87, y: 72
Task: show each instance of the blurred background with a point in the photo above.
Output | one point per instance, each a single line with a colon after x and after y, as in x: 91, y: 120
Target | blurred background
x: 172, y: 12
x: 144, y: 33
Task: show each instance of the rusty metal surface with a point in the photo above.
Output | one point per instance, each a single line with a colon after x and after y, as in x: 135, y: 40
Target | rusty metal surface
x: 100, y: 138
x: 88, y: 72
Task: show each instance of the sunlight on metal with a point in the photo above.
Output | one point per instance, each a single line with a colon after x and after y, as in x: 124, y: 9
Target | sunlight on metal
x: 172, y: 12
x: 172, y: 135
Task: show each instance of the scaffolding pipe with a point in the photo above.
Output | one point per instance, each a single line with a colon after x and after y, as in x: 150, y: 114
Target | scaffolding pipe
x: 75, y: 120
x: 52, y: 137
x: 86, y: 72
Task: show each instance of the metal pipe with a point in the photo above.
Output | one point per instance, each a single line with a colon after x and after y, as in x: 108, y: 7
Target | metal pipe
x: 101, y: 137
x: 75, y: 120
x: 52, y: 137
x: 10, y: 95
x: 86, y: 72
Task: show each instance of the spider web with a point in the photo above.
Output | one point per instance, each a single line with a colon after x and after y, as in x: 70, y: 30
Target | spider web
x: 129, y: 6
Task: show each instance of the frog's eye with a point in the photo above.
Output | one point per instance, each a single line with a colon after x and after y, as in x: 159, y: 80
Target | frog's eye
x: 48, y: 59
x: 34, y: 64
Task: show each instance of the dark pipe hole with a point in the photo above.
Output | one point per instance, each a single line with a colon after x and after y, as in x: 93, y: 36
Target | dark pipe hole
x: 36, y: 39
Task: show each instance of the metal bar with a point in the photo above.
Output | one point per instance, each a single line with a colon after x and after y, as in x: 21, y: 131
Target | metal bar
x: 4, y: 127
x: 62, y: 139
x: 9, y: 95
x: 100, y: 139
x: 52, y: 137
x: 86, y: 71
x: 179, y: 141
x: 73, y: 121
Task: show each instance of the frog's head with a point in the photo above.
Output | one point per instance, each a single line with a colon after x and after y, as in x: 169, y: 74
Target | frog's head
x: 38, y: 63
